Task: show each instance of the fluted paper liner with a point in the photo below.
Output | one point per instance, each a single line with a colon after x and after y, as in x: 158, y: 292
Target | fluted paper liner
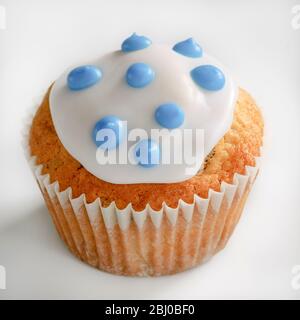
x: 145, y: 242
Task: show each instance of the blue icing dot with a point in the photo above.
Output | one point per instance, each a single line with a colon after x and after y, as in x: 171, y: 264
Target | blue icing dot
x: 189, y: 48
x: 83, y: 77
x: 208, y: 77
x: 139, y: 75
x: 135, y: 42
x: 169, y: 115
x: 108, y: 132
x: 147, y: 153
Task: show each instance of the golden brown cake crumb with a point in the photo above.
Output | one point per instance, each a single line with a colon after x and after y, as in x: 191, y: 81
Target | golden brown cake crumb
x: 238, y: 148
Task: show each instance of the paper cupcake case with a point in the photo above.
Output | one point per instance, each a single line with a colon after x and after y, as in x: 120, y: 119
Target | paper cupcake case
x: 148, y: 242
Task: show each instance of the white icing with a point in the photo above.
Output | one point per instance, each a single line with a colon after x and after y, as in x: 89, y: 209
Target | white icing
x: 75, y: 113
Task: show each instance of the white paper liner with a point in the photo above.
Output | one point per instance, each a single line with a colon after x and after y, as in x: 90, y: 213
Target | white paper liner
x: 144, y: 242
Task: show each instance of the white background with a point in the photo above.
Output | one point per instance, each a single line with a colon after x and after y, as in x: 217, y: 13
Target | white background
x: 254, y: 39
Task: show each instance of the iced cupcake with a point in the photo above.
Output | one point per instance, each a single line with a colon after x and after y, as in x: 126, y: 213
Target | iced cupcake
x: 145, y: 157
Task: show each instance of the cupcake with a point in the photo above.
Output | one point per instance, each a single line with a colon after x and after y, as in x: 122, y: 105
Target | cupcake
x: 145, y: 157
